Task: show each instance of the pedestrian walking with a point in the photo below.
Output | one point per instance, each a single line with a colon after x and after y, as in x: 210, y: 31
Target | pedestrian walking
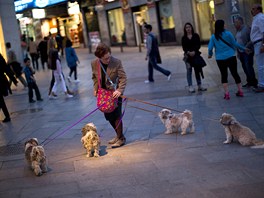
x: 59, y: 41
x: 51, y: 49
x: 57, y: 73
x: 43, y: 51
x: 257, y: 38
x: 153, y: 55
x: 112, y: 69
x: 33, y: 51
x: 4, y: 89
x: 225, y: 49
x: 191, y: 45
x: 247, y: 60
x: 12, y: 60
x: 32, y: 84
x: 72, y: 60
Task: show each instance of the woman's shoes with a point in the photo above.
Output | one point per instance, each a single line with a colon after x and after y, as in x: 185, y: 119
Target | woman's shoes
x: 227, y: 96
x: 239, y: 94
x: 191, y: 89
x: 6, y: 120
x: 69, y: 95
x: 200, y: 88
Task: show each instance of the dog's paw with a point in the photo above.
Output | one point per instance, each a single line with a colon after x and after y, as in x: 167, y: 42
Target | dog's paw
x: 183, y: 133
x: 226, y: 142
x: 168, y: 132
x: 89, y: 155
x: 38, y: 173
x: 96, y: 155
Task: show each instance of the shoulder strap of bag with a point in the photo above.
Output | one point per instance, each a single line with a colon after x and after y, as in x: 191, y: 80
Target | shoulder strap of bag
x: 99, y: 73
x: 226, y: 42
x: 111, y: 82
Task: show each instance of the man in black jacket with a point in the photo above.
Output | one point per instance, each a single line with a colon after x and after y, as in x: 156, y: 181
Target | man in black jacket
x: 4, y: 87
x: 153, y: 55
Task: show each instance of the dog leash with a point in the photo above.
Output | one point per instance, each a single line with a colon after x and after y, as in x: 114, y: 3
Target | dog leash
x: 215, y: 120
x: 154, y: 112
x: 151, y: 104
x: 47, y: 140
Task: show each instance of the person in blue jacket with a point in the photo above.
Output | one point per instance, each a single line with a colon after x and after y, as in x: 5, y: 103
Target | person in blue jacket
x: 225, y: 54
x: 72, y: 60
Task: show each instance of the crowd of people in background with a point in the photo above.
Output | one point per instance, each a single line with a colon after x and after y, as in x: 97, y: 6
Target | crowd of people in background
x: 245, y: 44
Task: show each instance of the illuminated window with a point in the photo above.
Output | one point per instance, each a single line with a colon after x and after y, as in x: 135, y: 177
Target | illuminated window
x: 116, y: 25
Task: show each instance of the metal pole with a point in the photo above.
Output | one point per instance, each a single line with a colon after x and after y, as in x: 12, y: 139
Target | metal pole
x: 87, y: 31
x: 139, y: 36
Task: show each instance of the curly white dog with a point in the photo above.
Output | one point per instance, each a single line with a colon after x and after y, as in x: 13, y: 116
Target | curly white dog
x: 90, y: 140
x: 234, y: 130
x: 174, y: 121
x: 35, y: 156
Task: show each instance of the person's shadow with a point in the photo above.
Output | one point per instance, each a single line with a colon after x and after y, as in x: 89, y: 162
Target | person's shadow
x: 103, y: 150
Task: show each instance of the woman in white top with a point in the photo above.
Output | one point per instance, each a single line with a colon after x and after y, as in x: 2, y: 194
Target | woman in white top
x: 57, y: 72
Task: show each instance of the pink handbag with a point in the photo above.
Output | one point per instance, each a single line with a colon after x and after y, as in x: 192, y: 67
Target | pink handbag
x: 105, y: 101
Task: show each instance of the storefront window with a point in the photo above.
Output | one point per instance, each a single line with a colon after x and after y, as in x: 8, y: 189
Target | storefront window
x: 2, y: 43
x: 205, y: 11
x: 166, y: 21
x: 92, y: 20
x: 116, y: 25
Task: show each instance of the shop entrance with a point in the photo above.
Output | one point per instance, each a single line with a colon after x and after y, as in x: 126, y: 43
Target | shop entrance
x: 205, y: 12
x: 140, y: 18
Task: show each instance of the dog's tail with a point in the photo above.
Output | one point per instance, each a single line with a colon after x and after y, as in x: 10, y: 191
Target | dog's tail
x: 188, y: 114
x: 258, y: 144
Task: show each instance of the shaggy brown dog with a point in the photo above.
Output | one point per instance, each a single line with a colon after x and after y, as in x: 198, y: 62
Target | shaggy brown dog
x: 35, y: 156
x: 90, y: 140
x: 174, y: 121
x: 244, y: 135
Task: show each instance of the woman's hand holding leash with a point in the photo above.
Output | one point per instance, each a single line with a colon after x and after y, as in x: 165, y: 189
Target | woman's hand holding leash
x: 116, y: 94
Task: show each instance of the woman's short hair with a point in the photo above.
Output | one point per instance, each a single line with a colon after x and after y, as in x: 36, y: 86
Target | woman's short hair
x: 101, y: 50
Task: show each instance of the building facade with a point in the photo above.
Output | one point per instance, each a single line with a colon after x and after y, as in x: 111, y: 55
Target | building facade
x: 9, y: 29
x: 121, y: 21
x: 116, y: 22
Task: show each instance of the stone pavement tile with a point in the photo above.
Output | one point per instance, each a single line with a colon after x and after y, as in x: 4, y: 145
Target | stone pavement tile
x: 51, y: 190
x: 106, y: 182
x: 11, y: 193
x: 227, y: 152
x: 242, y: 191
x: 159, y: 190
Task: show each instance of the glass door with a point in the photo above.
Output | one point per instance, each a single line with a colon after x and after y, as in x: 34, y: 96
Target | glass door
x: 205, y: 12
x: 166, y: 21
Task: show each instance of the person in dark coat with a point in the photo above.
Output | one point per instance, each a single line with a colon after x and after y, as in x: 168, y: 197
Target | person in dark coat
x: 4, y: 88
x: 153, y: 55
x: 43, y: 50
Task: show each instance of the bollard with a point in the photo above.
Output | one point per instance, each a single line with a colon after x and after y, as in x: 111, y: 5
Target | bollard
x: 121, y: 47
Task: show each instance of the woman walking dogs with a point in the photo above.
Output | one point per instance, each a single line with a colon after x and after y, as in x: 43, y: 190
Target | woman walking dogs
x: 112, y: 77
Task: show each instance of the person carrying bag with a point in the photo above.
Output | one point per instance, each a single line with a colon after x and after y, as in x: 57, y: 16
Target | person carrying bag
x: 110, y: 80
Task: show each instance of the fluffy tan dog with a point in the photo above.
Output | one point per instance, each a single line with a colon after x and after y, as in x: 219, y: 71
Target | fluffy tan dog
x: 174, y: 121
x: 90, y: 140
x: 242, y: 134
x: 35, y: 156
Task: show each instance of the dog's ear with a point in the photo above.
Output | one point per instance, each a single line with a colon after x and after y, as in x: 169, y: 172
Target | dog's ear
x: 93, y: 127
x: 83, y: 131
x: 233, y: 121
x: 35, y: 140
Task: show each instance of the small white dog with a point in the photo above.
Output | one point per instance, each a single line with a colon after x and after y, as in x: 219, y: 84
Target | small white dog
x: 35, y: 156
x: 174, y: 121
x: 90, y: 140
x: 244, y: 135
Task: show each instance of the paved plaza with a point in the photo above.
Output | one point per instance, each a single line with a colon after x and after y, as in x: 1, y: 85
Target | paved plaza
x: 151, y: 164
